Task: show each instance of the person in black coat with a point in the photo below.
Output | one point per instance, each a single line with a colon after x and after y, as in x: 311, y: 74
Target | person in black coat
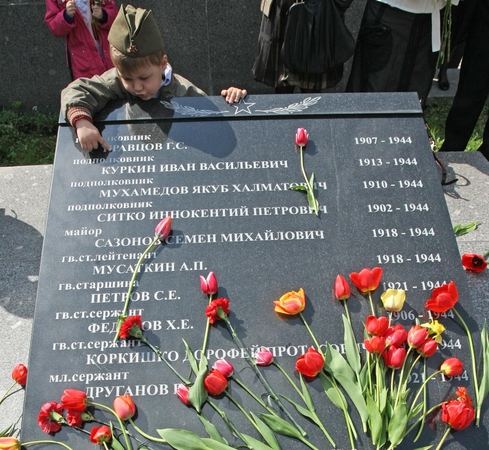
x: 473, y: 86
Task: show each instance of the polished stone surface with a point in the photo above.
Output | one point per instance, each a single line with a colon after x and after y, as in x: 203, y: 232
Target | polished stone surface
x: 251, y: 270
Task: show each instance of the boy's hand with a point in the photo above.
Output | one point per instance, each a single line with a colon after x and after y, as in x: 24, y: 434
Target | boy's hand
x: 89, y: 136
x: 71, y: 8
x: 233, y: 94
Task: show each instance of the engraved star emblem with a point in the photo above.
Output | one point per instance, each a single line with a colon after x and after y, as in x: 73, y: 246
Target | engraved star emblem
x: 242, y: 106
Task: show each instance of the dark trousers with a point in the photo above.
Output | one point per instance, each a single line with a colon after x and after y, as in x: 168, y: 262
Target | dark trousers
x: 473, y: 86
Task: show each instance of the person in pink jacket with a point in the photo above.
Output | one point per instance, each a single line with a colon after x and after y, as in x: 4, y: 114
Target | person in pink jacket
x: 85, y: 24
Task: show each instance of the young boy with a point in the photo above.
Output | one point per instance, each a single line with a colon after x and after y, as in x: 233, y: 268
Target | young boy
x: 141, y: 70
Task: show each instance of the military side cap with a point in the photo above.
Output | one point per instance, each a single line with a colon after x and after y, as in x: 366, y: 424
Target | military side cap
x: 135, y: 33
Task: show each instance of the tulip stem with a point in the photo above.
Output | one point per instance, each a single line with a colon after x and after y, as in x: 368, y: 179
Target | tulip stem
x: 7, y: 391
x: 421, y: 426
x: 314, y: 417
x: 371, y: 303
x: 447, y: 432
x: 207, y: 327
x: 253, y: 395
x: 147, y: 436
x: 263, y: 380
x: 347, y: 311
x: 308, y: 184
x: 123, y: 316
x: 123, y: 428
x: 233, y: 400
x: 160, y: 355
x: 24, y: 444
x: 474, y: 366
x: 316, y: 343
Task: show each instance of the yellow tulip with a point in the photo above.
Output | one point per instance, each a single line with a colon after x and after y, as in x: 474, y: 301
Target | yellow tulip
x: 291, y: 303
x: 393, y: 299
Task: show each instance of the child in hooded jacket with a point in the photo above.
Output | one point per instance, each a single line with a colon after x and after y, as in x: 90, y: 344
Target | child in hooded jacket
x: 85, y: 24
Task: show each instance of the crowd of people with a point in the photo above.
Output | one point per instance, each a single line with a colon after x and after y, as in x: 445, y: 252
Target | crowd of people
x: 302, y: 45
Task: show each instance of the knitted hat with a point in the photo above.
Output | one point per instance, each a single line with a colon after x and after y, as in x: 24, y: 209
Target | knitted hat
x: 135, y: 33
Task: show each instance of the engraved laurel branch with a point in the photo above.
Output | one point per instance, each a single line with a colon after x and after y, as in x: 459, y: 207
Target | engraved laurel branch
x: 294, y: 107
x: 188, y: 110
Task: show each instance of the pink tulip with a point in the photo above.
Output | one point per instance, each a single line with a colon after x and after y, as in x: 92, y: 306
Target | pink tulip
x: 209, y: 285
x: 301, y: 137
x: 163, y: 229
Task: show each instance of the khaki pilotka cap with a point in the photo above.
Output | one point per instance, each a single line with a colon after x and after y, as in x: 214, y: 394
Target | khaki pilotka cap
x: 135, y: 33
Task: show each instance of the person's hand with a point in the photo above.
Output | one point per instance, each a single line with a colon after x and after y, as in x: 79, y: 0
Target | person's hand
x: 233, y: 94
x: 71, y: 8
x: 89, y: 136
x: 97, y: 12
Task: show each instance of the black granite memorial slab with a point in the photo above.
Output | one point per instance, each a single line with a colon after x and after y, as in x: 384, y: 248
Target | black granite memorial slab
x: 222, y: 173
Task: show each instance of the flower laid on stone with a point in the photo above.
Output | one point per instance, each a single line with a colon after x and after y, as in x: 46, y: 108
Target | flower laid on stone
x: 162, y: 231
x: 291, y: 303
x: 474, y: 262
x: 301, y: 140
x: 19, y: 374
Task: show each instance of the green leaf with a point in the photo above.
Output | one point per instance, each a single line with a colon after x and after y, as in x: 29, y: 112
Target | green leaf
x: 216, y: 445
x: 281, y: 426
x: 334, y: 395
x: 115, y: 444
x: 424, y: 448
x: 460, y: 229
x: 8, y: 431
x: 351, y: 347
x: 191, y: 358
x: 183, y: 439
x: 211, y: 430
x: 266, y: 432
x: 298, y: 188
x: 197, y: 394
x: 413, y: 412
x: 396, y: 429
x: 300, y: 409
x: 484, y: 376
x: 342, y: 372
x: 375, y: 422
x: 255, y: 444
x: 306, y: 396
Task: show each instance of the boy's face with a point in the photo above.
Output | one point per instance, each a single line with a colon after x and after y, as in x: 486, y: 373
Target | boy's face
x: 144, y: 82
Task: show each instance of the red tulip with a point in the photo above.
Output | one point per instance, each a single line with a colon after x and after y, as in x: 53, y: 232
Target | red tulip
x: 225, y: 367
x: 443, y: 298
x: 132, y: 326
x: 212, y: 310
x: 9, y: 443
x: 457, y: 414
x: 301, y: 137
x: 263, y: 357
x: 376, y: 344
x: 74, y: 400
x: 291, y: 303
x: 452, y: 367
x: 341, y: 288
x: 366, y: 280
x: 124, y: 407
x: 19, y: 374
x: 182, y: 394
x: 163, y: 229
x: 209, y: 286
x: 99, y: 435
x: 215, y: 383
x: 417, y: 335
x: 427, y: 348
x: 395, y: 335
x: 377, y: 326
x: 474, y: 262
x: 50, y: 417
x: 310, y: 363
x: 394, y: 357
